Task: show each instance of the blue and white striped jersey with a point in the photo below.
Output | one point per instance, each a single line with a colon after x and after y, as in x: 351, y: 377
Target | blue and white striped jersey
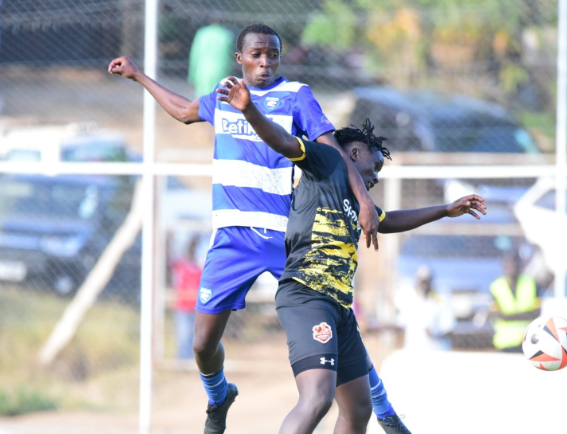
x: 252, y: 183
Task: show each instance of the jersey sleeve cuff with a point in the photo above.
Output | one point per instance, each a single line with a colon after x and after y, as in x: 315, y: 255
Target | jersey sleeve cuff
x: 383, y: 215
x: 302, y: 150
x: 323, y: 130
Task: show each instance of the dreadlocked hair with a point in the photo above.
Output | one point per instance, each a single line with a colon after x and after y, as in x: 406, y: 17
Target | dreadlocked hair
x: 346, y: 136
x: 260, y: 29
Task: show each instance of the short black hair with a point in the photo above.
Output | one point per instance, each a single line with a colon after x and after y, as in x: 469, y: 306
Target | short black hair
x: 260, y: 29
x: 346, y: 136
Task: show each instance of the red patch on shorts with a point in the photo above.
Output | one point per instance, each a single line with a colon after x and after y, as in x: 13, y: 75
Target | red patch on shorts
x: 322, y: 332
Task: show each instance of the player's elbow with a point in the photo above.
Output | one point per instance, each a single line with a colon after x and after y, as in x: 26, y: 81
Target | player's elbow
x: 185, y: 117
x: 293, y: 147
x: 187, y: 114
x: 289, y: 147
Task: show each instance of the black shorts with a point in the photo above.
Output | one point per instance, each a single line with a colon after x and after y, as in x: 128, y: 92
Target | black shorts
x: 321, y: 334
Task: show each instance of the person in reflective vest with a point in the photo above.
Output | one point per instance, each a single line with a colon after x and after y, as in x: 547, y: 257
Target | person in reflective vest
x: 516, y: 305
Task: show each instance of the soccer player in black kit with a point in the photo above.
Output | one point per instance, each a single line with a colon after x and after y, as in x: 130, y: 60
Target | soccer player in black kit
x: 315, y: 292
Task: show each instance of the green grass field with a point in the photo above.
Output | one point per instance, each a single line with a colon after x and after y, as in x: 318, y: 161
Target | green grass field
x: 98, y: 369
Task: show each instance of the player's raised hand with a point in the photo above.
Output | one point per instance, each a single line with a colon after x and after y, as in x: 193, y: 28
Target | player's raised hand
x: 369, y: 221
x: 124, y: 67
x: 467, y: 205
x: 235, y: 93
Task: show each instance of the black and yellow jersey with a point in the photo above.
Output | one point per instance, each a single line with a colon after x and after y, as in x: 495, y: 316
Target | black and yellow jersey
x: 322, y: 233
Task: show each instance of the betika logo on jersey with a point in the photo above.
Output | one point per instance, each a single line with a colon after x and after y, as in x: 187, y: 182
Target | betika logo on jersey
x: 227, y: 122
x: 240, y: 129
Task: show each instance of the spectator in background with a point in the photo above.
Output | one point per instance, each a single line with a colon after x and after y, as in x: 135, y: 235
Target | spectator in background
x: 186, y: 275
x: 427, y: 318
x: 516, y: 304
x: 211, y: 58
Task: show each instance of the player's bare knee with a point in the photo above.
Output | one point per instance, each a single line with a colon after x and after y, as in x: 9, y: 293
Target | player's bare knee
x: 204, y: 348
x: 317, y: 405
x: 356, y: 418
x: 320, y: 408
x: 364, y: 413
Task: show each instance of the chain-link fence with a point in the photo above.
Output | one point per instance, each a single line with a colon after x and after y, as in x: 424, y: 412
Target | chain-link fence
x: 450, y: 84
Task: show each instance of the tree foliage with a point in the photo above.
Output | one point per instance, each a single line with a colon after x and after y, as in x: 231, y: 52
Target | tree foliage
x: 408, y: 34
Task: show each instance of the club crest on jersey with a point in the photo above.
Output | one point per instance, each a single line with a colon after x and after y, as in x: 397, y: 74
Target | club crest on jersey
x: 271, y: 102
x: 205, y: 295
x: 322, y: 332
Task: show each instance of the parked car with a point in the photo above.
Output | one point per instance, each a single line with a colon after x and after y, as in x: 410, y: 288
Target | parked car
x: 72, y: 142
x: 420, y: 120
x: 54, y: 228
x: 543, y: 226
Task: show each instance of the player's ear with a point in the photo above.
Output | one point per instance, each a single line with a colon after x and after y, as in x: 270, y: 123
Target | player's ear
x: 354, y: 152
x: 238, y: 57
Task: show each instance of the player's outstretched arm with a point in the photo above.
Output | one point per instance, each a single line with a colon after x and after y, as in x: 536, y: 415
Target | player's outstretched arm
x: 406, y: 220
x: 175, y: 105
x: 367, y: 217
x: 277, y: 138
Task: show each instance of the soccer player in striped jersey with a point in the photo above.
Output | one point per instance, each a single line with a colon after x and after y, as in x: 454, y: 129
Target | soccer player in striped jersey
x: 252, y: 187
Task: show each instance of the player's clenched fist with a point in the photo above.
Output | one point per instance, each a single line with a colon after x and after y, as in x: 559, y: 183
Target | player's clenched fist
x: 124, y: 66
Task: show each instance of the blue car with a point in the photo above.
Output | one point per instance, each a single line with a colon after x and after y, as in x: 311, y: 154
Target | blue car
x: 53, y: 229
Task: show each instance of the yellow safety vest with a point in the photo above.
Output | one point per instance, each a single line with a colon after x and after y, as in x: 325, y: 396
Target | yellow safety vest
x: 509, y: 334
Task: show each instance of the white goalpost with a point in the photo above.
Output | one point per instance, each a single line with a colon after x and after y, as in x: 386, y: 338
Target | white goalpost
x: 146, y: 316
x: 561, y: 136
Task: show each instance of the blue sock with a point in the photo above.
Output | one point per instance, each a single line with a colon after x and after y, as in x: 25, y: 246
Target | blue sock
x: 216, y: 387
x: 380, y: 403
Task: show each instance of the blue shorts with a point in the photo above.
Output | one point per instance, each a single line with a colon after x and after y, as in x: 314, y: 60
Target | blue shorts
x: 238, y: 255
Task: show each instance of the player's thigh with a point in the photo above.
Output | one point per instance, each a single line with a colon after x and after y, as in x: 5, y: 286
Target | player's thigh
x: 234, y: 261
x: 353, y: 357
x: 354, y: 400
x: 353, y: 390
x: 209, y: 329
x: 317, y: 387
x: 275, y: 254
x: 310, y: 323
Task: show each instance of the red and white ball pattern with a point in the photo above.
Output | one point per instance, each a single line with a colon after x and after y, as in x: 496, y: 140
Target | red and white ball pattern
x: 545, y: 343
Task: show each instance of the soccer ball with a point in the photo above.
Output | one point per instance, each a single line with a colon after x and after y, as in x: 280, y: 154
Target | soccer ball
x: 545, y: 343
